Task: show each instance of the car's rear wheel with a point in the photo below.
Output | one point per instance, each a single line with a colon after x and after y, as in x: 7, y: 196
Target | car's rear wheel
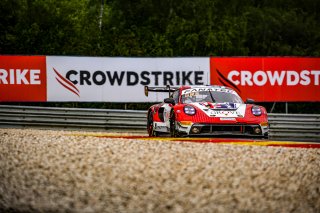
x: 173, y: 125
x: 150, y: 128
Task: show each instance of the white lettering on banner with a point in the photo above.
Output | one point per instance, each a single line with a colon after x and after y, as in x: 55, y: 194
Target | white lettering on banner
x: 19, y: 76
x: 262, y: 80
x: 276, y: 77
x: 316, y: 74
x: 287, y: 77
x: 131, y: 78
x: 246, y: 78
x: 305, y: 80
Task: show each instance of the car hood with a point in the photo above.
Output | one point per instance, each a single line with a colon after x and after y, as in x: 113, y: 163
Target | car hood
x: 222, y: 109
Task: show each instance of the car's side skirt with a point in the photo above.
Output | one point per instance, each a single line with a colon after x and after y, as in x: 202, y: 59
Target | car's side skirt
x: 160, y: 127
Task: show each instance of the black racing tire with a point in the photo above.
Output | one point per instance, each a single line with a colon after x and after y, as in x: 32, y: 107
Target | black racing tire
x: 173, y: 131
x: 150, y: 129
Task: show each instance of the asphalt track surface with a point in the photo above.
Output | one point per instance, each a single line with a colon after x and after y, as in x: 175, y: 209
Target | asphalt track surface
x: 65, y: 171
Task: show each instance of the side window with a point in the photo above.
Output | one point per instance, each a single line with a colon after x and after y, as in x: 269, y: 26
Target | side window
x: 175, y: 96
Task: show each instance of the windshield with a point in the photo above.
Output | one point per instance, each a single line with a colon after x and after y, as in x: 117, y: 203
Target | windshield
x: 210, y: 96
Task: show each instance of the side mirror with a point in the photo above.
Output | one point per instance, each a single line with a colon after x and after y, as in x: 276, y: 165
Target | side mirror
x: 169, y: 101
x: 249, y: 101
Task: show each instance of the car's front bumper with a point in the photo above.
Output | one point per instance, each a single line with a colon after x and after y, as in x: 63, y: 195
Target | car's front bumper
x: 210, y: 129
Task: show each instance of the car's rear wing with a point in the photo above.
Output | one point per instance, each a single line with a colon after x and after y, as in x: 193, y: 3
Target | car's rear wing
x: 159, y: 89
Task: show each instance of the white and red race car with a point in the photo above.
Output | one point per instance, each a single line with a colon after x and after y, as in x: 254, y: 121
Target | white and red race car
x: 205, y: 111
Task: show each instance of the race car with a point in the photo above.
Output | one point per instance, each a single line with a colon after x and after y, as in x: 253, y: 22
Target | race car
x: 205, y: 111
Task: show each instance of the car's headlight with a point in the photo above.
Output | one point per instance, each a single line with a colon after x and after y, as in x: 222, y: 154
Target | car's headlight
x: 189, y: 110
x: 256, y: 110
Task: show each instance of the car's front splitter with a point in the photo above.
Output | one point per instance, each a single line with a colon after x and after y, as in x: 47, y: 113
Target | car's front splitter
x: 205, y: 129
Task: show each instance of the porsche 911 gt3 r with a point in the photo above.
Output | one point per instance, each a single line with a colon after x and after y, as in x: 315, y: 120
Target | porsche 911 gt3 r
x: 205, y: 111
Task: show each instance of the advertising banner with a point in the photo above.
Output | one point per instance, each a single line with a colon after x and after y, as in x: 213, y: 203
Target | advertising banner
x: 120, y: 79
x: 23, y: 78
x: 269, y: 79
x: 106, y: 79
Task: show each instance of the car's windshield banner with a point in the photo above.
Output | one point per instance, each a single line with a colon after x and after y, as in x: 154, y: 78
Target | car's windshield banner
x: 204, y: 89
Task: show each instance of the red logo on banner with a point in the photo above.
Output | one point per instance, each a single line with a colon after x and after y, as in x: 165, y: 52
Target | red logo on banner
x: 270, y: 79
x: 23, y: 78
x: 66, y: 83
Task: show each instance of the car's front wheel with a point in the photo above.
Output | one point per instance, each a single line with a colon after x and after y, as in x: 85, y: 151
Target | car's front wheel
x: 150, y: 128
x: 173, y: 125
